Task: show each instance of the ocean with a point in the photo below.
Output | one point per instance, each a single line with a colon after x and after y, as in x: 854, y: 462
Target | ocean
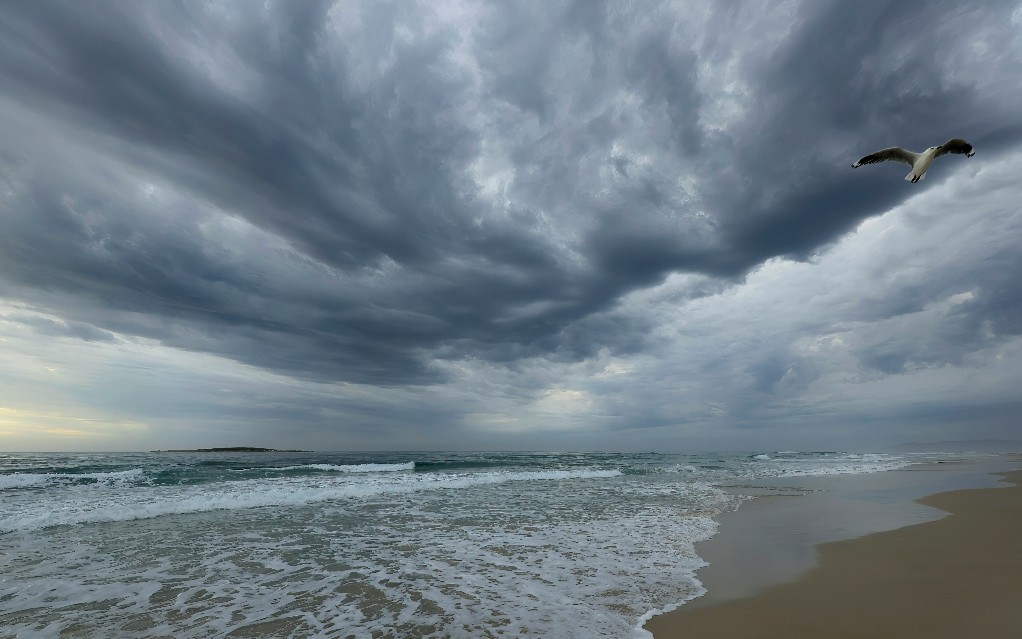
x: 367, y: 545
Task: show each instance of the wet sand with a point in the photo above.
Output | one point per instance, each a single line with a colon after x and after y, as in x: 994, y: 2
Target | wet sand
x: 957, y: 575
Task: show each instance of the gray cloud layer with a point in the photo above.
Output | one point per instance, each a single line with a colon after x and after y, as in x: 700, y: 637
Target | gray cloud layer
x: 373, y: 192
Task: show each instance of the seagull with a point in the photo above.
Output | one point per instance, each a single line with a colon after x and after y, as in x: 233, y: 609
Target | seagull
x: 918, y: 161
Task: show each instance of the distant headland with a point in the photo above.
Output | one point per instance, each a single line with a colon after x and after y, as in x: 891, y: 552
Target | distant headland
x: 231, y: 449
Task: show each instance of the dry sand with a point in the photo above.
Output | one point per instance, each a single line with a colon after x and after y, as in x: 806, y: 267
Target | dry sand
x: 957, y: 577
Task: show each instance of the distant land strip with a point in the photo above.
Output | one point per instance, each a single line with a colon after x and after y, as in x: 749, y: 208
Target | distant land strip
x: 231, y: 449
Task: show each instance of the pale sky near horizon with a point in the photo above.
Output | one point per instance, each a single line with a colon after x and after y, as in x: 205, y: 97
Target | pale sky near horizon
x: 507, y: 225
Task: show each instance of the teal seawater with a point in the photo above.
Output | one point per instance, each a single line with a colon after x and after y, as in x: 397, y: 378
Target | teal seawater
x: 364, y: 544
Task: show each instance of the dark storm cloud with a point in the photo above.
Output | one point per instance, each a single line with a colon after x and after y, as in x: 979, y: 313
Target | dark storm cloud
x: 365, y: 160
x: 850, y: 79
x: 105, y: 69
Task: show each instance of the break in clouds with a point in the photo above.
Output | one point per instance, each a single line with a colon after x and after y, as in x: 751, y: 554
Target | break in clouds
x: 396, y: 223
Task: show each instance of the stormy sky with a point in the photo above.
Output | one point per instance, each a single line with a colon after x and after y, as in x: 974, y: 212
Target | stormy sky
x: 507, y: 225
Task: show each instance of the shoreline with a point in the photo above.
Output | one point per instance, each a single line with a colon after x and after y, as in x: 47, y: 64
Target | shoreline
x: 775, y: 559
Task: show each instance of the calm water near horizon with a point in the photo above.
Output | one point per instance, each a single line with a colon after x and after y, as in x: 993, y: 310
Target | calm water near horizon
x: 365, y: 545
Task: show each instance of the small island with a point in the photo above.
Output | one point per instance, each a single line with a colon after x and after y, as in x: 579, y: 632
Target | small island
x: 231, y: 449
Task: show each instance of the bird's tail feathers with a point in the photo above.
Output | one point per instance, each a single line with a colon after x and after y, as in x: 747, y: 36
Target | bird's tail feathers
x: 911, y: 174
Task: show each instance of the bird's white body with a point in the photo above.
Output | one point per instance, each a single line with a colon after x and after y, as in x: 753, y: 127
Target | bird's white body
x: 922, y: 162
x: 919, y: 162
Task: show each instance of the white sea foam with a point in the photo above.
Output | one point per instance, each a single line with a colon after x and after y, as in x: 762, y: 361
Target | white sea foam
x: 838, y: 464
x: 23, y: 480
x: 28, y: 480
x: 568, y: 552
x: 336, y: 468
x: 414, y: 571
x: 681, y: 468
x: 121, y: 475
x: 76, y: 508
x: 356, y: 468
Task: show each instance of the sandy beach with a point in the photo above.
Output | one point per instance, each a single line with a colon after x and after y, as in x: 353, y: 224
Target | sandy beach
x: 956, y: 576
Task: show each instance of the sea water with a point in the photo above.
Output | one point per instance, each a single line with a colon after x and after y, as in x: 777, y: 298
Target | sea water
x: 365, y: 545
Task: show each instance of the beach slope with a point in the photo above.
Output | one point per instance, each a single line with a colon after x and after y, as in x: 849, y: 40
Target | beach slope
x: 960, y: 576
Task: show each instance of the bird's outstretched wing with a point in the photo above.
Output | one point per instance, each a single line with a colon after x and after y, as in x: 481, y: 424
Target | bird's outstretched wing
x: 955, y: 145
x: 895, y: 153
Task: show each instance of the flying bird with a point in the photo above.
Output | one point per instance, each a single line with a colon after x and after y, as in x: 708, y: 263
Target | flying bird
x: 919, y: 162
